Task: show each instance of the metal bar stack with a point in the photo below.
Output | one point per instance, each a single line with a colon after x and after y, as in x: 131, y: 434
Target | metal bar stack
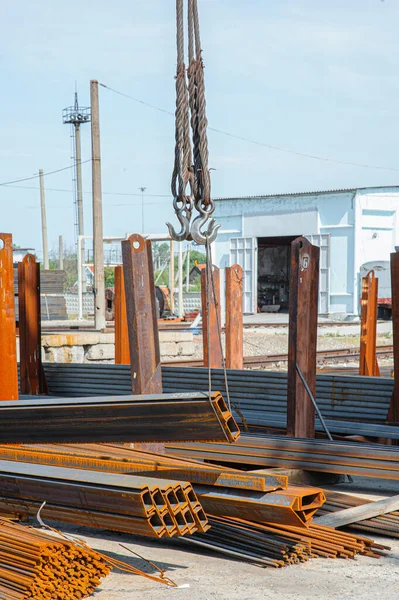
x: 115, y: 459
x: 272, y: 545
x: 268, y: 451
x: 139, y: 505
x: 386, y: 525
x: 36, y: 565
x: 162, y: 417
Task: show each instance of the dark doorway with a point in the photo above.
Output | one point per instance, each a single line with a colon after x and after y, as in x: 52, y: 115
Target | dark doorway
x: 274, y: 255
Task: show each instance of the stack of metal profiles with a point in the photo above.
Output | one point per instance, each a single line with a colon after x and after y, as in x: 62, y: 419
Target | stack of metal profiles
x: 37, y: 565
x: 118, y: 459
x: 272, y: 545
x: 386, y: 525
x: 350, y: 405
x: 139, y: 505
x: 350, y: 458
x: 164, y: 417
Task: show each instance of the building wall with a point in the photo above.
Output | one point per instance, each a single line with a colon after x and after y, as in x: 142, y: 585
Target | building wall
x: 361, y: 225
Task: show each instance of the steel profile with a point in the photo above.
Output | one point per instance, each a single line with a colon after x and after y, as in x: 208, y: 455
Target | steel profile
x: 8, y: 344
x: 163, y: 417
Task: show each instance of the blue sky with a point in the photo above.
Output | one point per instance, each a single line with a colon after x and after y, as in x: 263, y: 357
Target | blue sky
x: 309, y: 76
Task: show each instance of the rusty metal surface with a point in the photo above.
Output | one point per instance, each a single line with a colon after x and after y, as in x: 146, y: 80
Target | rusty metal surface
x: 122, y: 356
x: 8, y: 342
x: 304, y: 285
x: 117, y: 459
x: 368, y: 364
x: 32, y: 377
x: 393, y: 412
x: 107, y: 500
x: 234, y: 318
x: 210, y: 339
x: 294, y: 506
x: 160, y: 418
x: 141, y: 314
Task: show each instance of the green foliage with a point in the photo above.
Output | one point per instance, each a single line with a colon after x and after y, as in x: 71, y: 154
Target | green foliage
x: 109, y: 277
x: 70, y: 265
x: 161, y: 257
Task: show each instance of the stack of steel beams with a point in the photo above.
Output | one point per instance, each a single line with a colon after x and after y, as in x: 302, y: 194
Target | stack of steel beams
x: 118, y: 459
x: 164, y: 417
x: 351, y: 458
x: 386, y: 525
x: 140, y: 505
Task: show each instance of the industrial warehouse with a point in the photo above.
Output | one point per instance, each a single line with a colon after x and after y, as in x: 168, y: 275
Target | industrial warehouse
x: 199, y: 385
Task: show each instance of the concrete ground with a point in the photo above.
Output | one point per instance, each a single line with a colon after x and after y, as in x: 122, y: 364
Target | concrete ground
x: 211, y: 576
x: 205, y: 575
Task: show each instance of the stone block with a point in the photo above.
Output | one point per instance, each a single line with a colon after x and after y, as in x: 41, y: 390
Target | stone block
x: 65, y: 354
x: 100, y: 352
x: 175, y: 336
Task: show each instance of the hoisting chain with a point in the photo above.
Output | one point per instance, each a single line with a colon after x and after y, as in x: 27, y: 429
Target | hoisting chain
x: 191, y: 184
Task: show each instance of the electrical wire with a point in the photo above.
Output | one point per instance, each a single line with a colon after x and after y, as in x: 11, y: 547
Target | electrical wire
x: 44, y: 174
x: 256, y: 142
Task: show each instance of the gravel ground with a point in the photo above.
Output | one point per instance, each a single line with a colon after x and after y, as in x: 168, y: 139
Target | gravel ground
x: 263, y: 341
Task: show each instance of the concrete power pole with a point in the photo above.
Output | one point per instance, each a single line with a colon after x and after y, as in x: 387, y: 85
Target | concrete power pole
x: 61, y: 253
x: 98, y: 246
x: 44, y: 221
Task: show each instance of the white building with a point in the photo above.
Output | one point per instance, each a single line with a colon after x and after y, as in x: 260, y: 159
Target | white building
x: 352, y: 227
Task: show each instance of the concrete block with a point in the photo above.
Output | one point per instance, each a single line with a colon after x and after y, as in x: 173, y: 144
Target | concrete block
x: 169, y: 349
x: 65, y: 354
x: 175, y: 336
x: 185, y: 348
x: 100, y: 352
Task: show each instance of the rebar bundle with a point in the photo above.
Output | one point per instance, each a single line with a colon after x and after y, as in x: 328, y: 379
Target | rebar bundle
x: 34, y: 564
x: 280, y: 545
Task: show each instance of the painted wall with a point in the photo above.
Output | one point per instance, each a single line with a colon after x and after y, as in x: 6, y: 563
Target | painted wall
x: 362, y: 226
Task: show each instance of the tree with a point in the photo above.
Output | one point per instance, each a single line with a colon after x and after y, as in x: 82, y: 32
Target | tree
x: 109, y: 277
x: 70, y: 264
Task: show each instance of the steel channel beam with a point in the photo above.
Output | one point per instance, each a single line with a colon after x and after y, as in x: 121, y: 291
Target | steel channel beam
x: 122, y: 356
x: 211, y: 314
x: 161, y: 417
x: 368, y: 365
x: 302, y: 337
x: 234, y: 318
x: 32, y: 377
x: 8, y: 341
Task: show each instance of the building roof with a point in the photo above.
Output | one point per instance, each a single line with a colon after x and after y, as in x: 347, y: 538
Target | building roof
x: 337, y: 191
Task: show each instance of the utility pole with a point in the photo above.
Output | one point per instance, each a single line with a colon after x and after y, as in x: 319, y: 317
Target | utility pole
x: 44, y: 221
x: 61, y: 253
x: 76, y: 116
x: 142, y: 190
x: 98, y: 245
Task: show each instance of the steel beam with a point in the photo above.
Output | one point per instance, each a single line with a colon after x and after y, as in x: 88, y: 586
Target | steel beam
x: 368, y: 364
x: 211, y: 315
x: 121, y: 328
x: 234, y: 318
x: 8, y: 341
x: 304, y: 287
x: 32, y: 377
x: 142, y: 317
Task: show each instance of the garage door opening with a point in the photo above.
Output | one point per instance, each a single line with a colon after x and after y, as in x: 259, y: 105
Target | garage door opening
x: 273, y: 285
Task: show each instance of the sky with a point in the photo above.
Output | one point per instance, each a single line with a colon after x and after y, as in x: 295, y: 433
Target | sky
x: 309, y: 76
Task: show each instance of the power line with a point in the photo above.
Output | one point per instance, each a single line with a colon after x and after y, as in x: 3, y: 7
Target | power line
x: 31, y: 187
x: 37, y: 176
x: 256, y: 142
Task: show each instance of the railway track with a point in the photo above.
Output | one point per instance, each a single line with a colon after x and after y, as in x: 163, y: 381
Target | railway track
x: 323, y: 357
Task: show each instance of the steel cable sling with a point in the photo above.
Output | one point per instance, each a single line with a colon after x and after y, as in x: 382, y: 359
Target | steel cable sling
x: 191, y: 182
